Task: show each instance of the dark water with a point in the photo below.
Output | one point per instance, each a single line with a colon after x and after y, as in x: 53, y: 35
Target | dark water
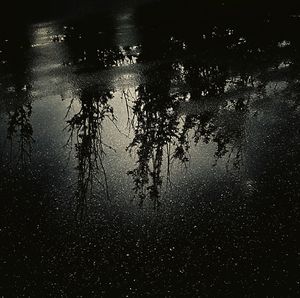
x: 150, y: 158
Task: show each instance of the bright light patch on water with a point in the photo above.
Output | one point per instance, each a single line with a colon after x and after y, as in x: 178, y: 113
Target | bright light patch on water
x: 284, y: 64
x: 284, y: 44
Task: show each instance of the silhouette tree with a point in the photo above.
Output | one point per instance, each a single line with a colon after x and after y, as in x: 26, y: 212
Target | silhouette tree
x: 86, y: 128
x: 19, y: 127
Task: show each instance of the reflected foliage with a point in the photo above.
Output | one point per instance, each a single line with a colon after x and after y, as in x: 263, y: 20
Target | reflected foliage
x: 20, y: 129
x: 15, y: 94
x: 86, y: 128
x: 163, y: 135
x: 94, y: 49
x: 155, y: 129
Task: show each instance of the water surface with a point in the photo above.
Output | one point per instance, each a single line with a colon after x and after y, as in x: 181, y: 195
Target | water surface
x: 149, y: 160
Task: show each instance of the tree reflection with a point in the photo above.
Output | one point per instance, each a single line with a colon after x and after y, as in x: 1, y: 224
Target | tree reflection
x: 224, y: 127
x: 205, y: 81
x: 19, y: 127
x: 86, y: 128
x: 215, y: 71
x: 162, y: 134
x: 96, y: 50
x: 155, y: 128
x: 15, y: 92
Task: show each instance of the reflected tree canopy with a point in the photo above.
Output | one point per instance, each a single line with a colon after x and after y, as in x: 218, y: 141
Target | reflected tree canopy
x: 155, y: 130
x: 20, y: 128
x: 207, y: 89
x: 85, y: 128
x: 15, y: 95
